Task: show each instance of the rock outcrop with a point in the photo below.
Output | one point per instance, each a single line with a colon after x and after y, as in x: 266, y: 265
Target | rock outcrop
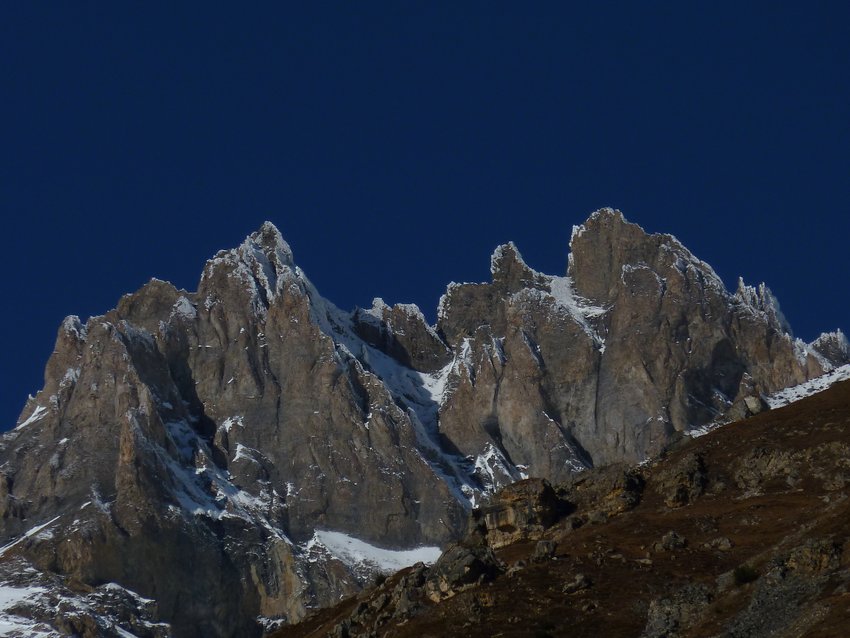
x: 520, y: 511
x: 191, y: 446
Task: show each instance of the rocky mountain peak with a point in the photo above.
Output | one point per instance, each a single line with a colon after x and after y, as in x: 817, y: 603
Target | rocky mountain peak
x: 72, y: 325
x: 231, y: 445
x: 401, y: 332
x: 268, y: 256
x: 263, y: 264
x: 510, y: 272
x: 270, y: 242
x: 607, y: 250
x: 761, y: 299
x: 602, y: 217
x: 833, y: 346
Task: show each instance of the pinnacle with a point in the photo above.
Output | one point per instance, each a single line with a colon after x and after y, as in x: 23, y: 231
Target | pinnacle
x: 504, y: 255
x: 605, y: 216
x: 270, y: 240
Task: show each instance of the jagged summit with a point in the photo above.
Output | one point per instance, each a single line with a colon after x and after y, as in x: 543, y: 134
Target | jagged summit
x: 833, y: 346
x: 263, y: 262
x: 509, y: 270
x: 270, y: 242
x: 267, y: 238
x: 228, y: 445
x: 761, y: 299
x: 602, y: 216
x: 605, y: 248
x: 504, y: 255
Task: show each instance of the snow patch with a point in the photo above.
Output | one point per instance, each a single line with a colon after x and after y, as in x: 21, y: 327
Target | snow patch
x: 561, y: 293
x: 27, y: 594
x: 786, y: 396
x: 581, y: 310
x: 184, y: 308
x: 71, y: 376
x: 436, y: 383
x: 807, y: 389
x: 37, y: 414
x: 699, y: 431
x: 270, y: 624
x: 360, y: 555
x: 494, y: 470
x: 244, y: 452
x: 32, y: 532
x: 13, y: 625
x: 377, y: 309
x: 230, y: 421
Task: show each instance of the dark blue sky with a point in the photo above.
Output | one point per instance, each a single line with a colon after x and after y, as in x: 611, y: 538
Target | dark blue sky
x: 395, y: 144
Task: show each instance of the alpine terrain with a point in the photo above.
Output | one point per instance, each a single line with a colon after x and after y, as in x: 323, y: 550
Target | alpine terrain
x: 222, y: 462
x: 739, y: 534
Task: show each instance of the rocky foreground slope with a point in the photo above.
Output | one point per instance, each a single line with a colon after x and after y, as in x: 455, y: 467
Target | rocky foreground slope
x: 219, y: 462
x: 742, y: 533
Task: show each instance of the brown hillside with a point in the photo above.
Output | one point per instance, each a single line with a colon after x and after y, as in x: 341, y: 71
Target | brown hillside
x: 743, y: 532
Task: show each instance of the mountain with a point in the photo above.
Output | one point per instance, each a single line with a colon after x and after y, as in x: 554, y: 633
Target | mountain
x: 220, y: 462
x: 741, y: 533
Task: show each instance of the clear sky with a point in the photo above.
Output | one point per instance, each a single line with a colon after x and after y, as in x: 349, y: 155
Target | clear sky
x: 395, y: 144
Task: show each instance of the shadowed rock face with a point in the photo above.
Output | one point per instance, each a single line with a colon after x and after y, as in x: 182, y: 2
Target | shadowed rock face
x: 191, y: 443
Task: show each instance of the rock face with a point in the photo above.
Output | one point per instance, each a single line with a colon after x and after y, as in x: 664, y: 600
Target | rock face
x: 638, y: 341
x: 187, y: 446
x: 761, y: 557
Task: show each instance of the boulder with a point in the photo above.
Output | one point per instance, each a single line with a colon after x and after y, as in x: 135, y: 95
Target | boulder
x: 460, y: 567
x: 520, y: 511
